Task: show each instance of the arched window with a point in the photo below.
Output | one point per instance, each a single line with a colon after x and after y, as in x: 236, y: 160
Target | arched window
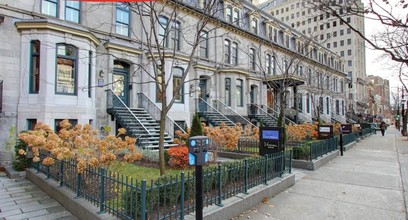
x: 66, y: 76
x: 178, y: 86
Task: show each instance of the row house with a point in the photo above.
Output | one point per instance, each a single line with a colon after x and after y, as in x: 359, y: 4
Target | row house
x: 97, y: 63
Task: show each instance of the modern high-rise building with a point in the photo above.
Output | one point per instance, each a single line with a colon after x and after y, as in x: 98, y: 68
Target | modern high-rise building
x: 332, y: 33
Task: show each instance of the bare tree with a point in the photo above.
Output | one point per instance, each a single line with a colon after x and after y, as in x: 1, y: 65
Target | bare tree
x: 161, y: 38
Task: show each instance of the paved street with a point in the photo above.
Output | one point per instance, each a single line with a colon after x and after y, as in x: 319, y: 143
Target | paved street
x: 366, y: 183
x: 21, y: 199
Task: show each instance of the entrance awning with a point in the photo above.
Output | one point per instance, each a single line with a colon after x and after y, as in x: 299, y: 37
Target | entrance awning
x: 284, y: 81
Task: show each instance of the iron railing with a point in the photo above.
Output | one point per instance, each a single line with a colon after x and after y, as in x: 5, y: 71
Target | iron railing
x: 113, y: 101
x: 245, y: 145
x: 267, y: 109
x: 148, y: 104
x: 168, y: 197
x: 204, y: 106
x: 227, y: 110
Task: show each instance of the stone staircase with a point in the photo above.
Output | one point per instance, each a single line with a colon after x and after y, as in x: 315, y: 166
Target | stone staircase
x: 215, y: 118
x: 266, y: 120
x: 141, y: 125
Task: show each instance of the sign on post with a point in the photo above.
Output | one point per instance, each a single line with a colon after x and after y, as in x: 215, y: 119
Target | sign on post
x: 347, y: 128
x: 325, y: 131
x: 271, y: 140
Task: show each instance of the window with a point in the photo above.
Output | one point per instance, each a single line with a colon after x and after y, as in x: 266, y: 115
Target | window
x: 348, y: 30
x: 159, y: 87
x: 334, y: 44
x: 228, y: 14
x: 204, y: 44
x: 228, y: 91
x: 49, y: 7
x: 348, y: 41
x: 234, y: 52
x: 342, y: 107
x: 268, y: 64
x: 309, y: 77
x: 342, y: 43
x: 254, y: 24
x: 341, y: 32
x: 348, y: 52
x: 236, y: 17
x: 321, y: 105
x: 327, y: 105
x: 307, y: 103
x: 334, y: 23
x: 252, y: 62
x: 239, y: 93
x: 300, y: 101
x: 163, y: 24
x: 34, y: 77
x: 66, y: 79
x: 301, y: 70
x: 227, y: 51
x: 337, y: 107
x: 31, y: 124
x: 328, y: 45
x: 341, y: 86
x: 90, y: 74
x: 73, y: 122
x: 348, y: 20
x: 334, y: 33
x: 350, y: 63
x: 342, y: 53
x: 175, y: 36
x: 72, y: 11
x: 177, y: 83
x: 122, y: 19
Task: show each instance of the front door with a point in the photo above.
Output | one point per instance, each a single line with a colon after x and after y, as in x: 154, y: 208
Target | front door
x: 120, y: 81
x: 202, y: 106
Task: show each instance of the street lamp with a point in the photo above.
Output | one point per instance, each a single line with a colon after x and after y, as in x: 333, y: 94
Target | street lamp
x: 403, y: 116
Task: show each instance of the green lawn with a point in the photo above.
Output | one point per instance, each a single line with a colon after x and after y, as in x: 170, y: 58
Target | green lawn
x: 140, y: 172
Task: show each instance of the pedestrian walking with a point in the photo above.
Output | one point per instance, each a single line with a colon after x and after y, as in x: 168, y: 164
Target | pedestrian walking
x: 383, y: 126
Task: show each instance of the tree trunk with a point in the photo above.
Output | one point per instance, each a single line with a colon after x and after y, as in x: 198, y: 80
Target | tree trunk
x: 162, y: 162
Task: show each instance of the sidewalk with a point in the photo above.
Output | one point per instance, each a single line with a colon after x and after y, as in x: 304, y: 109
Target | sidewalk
x: 366, y: 183
x: 21, y: 199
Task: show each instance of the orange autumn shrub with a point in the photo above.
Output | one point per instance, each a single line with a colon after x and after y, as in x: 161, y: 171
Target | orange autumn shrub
x: 224, y: 136
x: 300, y: 132
x: 80, y: 143
x: 178, y: 156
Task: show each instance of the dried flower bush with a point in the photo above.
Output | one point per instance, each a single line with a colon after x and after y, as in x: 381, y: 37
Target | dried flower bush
x: 80, y: 143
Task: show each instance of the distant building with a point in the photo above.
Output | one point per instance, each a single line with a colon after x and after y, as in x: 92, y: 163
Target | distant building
x: 333, y: 34
x: 378, y: 97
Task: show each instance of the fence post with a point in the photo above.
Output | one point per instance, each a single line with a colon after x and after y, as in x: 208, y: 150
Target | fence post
x: 266, y: 169
x: 219, y: 184
x: 246, y: 177
x: 143, y: 204
x: 61, y: 176
x: 48, y: 172
x: 290, y: 160
x: 78, y: 193
x: 310, y: 151
x: 182, y: 196
x: 38, y: 166
x: 102, y: 191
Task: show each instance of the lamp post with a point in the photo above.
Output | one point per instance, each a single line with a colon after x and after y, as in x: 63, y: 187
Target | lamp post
x: 403, y: 116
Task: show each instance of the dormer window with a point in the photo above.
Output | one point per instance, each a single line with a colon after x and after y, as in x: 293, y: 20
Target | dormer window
x: 254, y: 25
x: 236, y: 16
x: 228, y: 14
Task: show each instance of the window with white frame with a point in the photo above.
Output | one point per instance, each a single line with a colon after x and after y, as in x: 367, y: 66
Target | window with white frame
x: 228, y: 14
x: 234, y: 53
x: 236, y: 16
x: 227, y: 51
x: 254, y: 25
x: 34, y: 77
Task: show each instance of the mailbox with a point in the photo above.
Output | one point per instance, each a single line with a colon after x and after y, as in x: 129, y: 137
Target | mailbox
x: 325, y: 132
x: 198, y: 150
x: 271, y: 140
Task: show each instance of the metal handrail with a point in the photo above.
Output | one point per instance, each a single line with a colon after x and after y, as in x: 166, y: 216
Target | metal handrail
x: 286, y: 119
x: 301, y: 116
x: 215, y: 110
x: 146, y: 103
x: 261, y: 110
x: 110, y: 91
x: 228, y: 108
x: 1, y: 96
